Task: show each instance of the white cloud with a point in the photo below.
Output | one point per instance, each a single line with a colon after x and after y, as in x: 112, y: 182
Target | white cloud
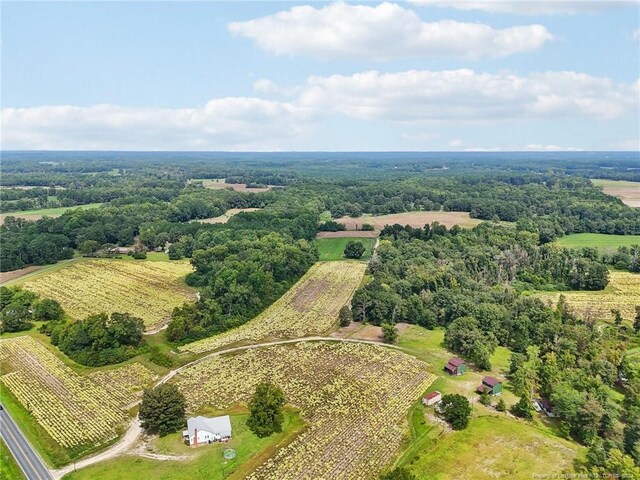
x: 551, y: 148
x: 415, y: 98
x: 529, y: 7
x: 234, y: 123
x: 467, y: 96
x: 382, y: 32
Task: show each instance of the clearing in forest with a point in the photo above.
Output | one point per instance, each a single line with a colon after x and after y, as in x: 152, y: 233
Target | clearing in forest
x: 414, y: 219
x: 598, y: 240
x: 219, y: 183
x: 224, y: 218
x: 354, y: 396
x: 149, y: 290
x: 310, y: 307
x: 77, y: 411
x: 333, y: 248
x: 622, y: 292
x: 44, y: 212
x: 628, y: 192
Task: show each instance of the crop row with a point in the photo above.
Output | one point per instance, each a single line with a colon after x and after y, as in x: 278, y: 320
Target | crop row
x: 310, y: 307
x: 354, y: 396
x: 149, y: 290
x: 74, y: 409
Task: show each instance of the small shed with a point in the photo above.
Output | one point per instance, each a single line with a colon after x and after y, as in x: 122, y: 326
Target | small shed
x: 204, y: 430
x: 546, y: 407
x: 490, y: 385
x: 455, y: 366
x: 432, y: 398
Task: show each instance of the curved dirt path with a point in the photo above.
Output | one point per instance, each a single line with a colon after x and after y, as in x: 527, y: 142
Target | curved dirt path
x: 134, y: 431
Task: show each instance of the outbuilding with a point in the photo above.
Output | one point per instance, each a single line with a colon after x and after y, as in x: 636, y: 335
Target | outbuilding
x: 490, y: 385
x: 455, y: 366
x: 204, y: 430
x: 432, y: 398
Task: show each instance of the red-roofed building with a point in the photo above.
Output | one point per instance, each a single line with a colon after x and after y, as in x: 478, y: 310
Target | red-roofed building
x: 432, y: 398
x: 455, y: 366
x: 491, y: 385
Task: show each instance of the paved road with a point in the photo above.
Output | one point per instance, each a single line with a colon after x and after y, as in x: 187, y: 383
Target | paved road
x: 28, y: 460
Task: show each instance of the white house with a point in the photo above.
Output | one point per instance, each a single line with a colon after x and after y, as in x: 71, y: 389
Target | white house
x: 432, y: 398
x: 203, y: 430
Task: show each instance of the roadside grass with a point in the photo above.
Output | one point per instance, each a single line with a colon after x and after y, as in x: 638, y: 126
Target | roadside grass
x: 332, y: 249
x: 600, y: 241
x: 9, y: 469
x: 495, y: 447
x: 202, y: 462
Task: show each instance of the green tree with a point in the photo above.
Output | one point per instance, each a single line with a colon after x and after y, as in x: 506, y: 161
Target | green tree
x: 636, y: 320
x: 389, y: 332
x: 501, y: 406
x: 47, y: 309
x: 399, y: 474
x: 345, y: 317
x: 265, y: 410
x: 485, y: 399
x: 354, y: 249
x: 456, y: 410
x: 162, y: 409
x: 88, y: 247
x: 523, y: 408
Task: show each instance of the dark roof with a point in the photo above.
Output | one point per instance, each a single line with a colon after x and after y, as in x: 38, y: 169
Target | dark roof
x: 432, y: 395
x: 546, y: 404
x: 490, y: 381
x: 450, y: 367
x: 481, y: 388
x: 456, y: 362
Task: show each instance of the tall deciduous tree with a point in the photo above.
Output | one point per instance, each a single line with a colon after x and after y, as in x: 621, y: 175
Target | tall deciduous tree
x: 162, y: 409
x: 266, y: 405
x: 456, y: 410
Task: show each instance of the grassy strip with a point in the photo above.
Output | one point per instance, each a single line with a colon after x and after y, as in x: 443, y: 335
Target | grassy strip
x: 9, y: 469
x: 332, y: 249
x: 598, y: 240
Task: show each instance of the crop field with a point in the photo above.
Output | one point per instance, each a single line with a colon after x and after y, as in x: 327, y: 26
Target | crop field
x: 75, y: 410
x: 333, y: 248
x: 598, y: 240
x: 623, y: 293
x: 149, y: 290
x: 44, y: 212
x: 415, y: 219
x: 628, y: 192
x: 310, y: 307
x: 354, y: 396
x: 224, y: 218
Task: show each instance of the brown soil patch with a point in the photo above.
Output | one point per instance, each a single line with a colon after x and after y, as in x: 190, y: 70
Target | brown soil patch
x: 414, y: 219
x: 365, y: 332
x: 629, y: 195
x: 224, y: 218
x: 348, y: 234
x: 8, y: 276
x: 305, y: 297
x: 238, y: 187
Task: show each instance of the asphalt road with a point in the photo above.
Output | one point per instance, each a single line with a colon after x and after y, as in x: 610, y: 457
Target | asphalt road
x: 28, y: 460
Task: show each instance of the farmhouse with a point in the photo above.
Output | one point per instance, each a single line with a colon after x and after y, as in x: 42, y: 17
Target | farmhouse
x: 491, y: 385
x: 432, y: 398
x: 455, y: 366
x: 204, y: 430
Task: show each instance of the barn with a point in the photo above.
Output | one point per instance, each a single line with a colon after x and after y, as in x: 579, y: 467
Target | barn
x: 455, y: 366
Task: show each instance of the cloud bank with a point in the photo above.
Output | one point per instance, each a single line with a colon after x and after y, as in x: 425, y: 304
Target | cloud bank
x: 386, y: 31
x: 451, y: 97
x: 530, y: 7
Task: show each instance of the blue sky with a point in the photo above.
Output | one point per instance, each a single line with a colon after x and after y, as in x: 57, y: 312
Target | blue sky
x: 426, y: 75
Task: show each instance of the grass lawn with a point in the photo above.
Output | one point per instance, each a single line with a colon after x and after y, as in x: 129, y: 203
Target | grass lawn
x: 598, y: 240
x: 203, y: 462
x: 495, y: 447
x: 51, y: 211
x: 333, y: 248
x: 9, y: 469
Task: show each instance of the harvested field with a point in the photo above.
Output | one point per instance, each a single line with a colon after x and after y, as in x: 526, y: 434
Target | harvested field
x: 371, y: 333
x: 149, y: 290
x: 348, y: 234
x: 217, y: 184
x: 310, y: 307
x: 354, y: 396
x: 623, y: 293
x: 75, y: 410
x: 14, y: 274
x: 628, y: 192
x: 414, y: 219
x: 224, y: 218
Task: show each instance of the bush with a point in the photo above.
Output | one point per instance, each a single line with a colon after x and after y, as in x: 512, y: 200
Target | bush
x: 456, y: 410
x: 389, y: 333
x: 354, y: 249
x: 160, y: 358
x: 367, y: 227
x: 501, y: 406
x: 345, y: 317
x: 522, y: 409
x: 399, y: 474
